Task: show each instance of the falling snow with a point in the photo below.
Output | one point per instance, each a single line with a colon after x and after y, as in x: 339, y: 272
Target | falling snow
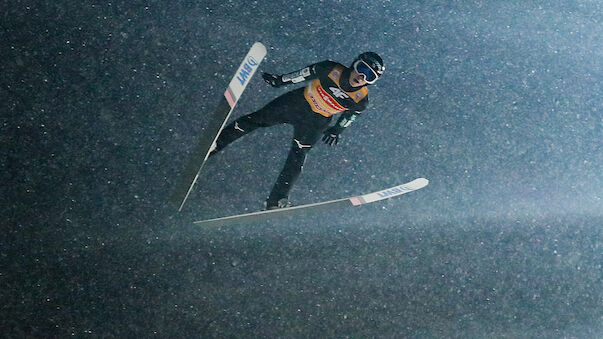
x: 496, y: 103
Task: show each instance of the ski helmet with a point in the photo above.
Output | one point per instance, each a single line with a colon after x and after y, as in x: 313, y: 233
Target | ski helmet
x: 370, y: 65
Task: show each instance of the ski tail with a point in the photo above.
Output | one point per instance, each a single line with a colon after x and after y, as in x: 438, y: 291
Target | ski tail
x: 216, y: 123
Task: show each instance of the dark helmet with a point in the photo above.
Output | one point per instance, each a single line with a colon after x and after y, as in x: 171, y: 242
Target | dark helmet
x: 370, y: 65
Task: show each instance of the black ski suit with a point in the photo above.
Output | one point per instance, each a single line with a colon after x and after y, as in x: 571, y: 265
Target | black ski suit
x: 309, y: 110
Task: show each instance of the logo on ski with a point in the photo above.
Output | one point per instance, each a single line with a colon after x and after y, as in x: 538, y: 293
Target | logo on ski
x: 393, y: 191
x: 247, y: 70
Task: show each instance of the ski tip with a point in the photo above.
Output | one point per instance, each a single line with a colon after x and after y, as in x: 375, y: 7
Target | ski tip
x: 419, y: 183
x: 259, y: 46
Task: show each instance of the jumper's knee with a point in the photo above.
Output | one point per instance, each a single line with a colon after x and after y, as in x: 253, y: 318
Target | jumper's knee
x: 297, y: 154
x: 244, y: 125
x: 301, y: 146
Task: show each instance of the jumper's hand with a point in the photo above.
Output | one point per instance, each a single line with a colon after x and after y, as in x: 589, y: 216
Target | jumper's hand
x: 331, y: 137
x: 272, y: 80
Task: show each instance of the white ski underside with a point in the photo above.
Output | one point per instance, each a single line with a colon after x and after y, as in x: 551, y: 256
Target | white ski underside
x: 235, y: 89
x: 353, y: 201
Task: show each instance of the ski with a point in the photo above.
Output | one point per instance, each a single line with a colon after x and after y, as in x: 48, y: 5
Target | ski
x: 289, y: 211
x: 216, y: 122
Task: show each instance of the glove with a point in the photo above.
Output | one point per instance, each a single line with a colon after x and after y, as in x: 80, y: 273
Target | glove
x: 272, y: 80
x: 331, y: 136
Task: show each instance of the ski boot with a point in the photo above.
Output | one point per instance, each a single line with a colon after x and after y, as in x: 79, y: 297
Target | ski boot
x: 281, y: 203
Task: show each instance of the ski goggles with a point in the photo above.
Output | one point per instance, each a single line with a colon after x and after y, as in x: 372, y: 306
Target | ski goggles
x: 363, y: 69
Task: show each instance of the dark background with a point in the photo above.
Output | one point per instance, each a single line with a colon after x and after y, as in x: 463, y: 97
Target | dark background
x: 496, y: 103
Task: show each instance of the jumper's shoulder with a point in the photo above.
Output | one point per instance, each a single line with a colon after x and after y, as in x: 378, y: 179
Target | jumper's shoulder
x: 328, y: 62
x: 325, y: 66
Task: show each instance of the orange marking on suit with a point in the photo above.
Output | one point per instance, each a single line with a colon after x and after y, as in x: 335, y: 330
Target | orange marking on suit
x: 325, y: 103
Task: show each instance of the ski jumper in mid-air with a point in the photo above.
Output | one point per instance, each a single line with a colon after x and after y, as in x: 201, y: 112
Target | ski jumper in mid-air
x: 334, y: 88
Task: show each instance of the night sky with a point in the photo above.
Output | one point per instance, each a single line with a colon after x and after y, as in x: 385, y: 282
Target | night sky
x: 498, y: 104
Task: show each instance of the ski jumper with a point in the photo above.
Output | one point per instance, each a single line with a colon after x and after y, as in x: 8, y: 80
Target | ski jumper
x: 309, y: 109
